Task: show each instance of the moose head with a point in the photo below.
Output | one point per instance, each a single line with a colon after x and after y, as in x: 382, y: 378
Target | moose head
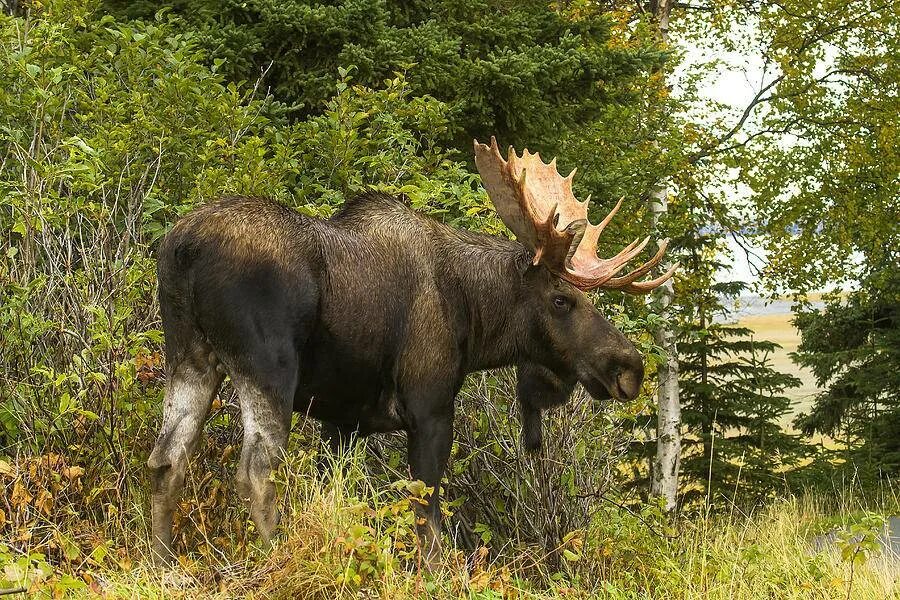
x: 570, y: 340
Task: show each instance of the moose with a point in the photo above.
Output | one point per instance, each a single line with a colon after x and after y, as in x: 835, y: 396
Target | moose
x: 369, y: 322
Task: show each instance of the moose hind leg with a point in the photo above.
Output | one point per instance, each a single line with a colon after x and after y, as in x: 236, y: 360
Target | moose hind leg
x: 429, y: 448
x: 267, y: 418
x: 190, y: 388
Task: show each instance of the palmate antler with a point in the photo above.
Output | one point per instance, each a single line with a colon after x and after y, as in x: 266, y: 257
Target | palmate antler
x: 538, y: 205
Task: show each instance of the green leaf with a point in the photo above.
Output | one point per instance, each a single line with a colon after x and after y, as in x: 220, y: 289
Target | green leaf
x: 570, y: 556
x: 416, y: 488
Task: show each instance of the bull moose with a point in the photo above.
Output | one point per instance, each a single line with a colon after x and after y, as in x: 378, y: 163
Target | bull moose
x: 370, y: 321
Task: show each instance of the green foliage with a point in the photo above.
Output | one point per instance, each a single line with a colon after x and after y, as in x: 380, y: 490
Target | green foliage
x: 817, y: 145
x: 80, y: 156
x: 815, y: 149
x: 733, y: 404
x: 838, y: 92
x: 377, y: 139
x: 860, y: 541
x: 733, y: 401
x: 852, y: 346
x: 524, y: 71
x: 32, y: 573
x: 385, y: 540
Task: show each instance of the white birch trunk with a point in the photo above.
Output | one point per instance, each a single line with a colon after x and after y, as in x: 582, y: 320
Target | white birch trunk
x: 666, y: 464
x: 664, y: 472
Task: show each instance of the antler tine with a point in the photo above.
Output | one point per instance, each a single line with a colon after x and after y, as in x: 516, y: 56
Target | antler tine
x: 620, y: 282
x: 643, y: 287
x: 494, y: 149
x: 609, y: 216
x: 629, y: 252
x: 587, y: 250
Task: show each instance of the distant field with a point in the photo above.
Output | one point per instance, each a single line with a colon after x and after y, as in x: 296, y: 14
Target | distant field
x: 778, y: 328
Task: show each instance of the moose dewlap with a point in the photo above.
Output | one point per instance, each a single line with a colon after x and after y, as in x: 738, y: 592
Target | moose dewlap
x: 370, y: 321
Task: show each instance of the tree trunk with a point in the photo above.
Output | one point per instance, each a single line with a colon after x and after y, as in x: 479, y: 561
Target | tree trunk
x: 664, y: 481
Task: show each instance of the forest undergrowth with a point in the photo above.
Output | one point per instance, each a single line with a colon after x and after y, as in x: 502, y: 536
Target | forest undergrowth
x: 348, y: 533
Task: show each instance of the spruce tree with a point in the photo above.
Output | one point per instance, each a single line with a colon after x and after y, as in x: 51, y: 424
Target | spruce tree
x: 852, y: 346
x: 733, y: 400
x: 527, y: 72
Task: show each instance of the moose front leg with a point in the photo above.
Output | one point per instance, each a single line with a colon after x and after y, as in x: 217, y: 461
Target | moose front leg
x: 430, y: 439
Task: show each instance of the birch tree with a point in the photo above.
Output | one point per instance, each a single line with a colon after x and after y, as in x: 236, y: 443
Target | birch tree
x: 664, y: 472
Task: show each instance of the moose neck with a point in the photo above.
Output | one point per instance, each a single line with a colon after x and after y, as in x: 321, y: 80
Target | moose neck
x: 487, y: 271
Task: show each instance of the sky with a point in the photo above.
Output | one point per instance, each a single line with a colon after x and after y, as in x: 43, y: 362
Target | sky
x: 735, y: 85
x: 737, y: 80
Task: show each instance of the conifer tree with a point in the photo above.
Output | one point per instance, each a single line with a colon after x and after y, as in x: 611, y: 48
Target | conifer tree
x: 527, y: 72
x: 852, y: 346
x: 733, y: 399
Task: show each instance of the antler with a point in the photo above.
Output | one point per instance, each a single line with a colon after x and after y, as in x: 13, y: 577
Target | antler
x: 538, y: 205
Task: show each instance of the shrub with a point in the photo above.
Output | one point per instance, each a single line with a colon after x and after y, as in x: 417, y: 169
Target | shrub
x: 109, y: 131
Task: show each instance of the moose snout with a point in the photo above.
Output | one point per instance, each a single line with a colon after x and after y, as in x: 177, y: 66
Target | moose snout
x: 629, y: 375
x: 628, y: 383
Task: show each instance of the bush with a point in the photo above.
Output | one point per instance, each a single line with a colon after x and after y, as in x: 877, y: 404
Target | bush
x: 109, y: 132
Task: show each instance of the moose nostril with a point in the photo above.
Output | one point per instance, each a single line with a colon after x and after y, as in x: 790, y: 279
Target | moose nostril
x: 629, y: 384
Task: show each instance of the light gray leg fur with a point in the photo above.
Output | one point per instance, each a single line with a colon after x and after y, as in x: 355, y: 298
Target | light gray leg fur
x: 267, y: 422
x: 191, y: 387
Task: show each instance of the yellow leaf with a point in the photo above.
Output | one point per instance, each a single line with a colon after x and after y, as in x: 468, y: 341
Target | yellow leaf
x: 480, y: 581
x: 416, y: 488
x: 73, y: 473
x: 19, y: 495
x: 23, y: 535
x: 44, y: 502
x: 6, y: 469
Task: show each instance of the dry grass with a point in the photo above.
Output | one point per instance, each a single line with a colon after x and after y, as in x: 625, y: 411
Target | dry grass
x: 764, y: 555
x: 769, y: 555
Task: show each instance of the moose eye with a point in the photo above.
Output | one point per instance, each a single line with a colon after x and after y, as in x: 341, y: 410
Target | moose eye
x: 561, y: 303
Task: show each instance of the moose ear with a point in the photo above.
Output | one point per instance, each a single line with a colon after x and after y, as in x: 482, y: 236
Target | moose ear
x: 524, y: 265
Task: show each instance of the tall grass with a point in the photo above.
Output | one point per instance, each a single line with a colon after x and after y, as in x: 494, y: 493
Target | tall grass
x: 333, y: 526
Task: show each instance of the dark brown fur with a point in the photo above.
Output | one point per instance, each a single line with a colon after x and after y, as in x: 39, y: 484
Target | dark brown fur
x: 368, y: 322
